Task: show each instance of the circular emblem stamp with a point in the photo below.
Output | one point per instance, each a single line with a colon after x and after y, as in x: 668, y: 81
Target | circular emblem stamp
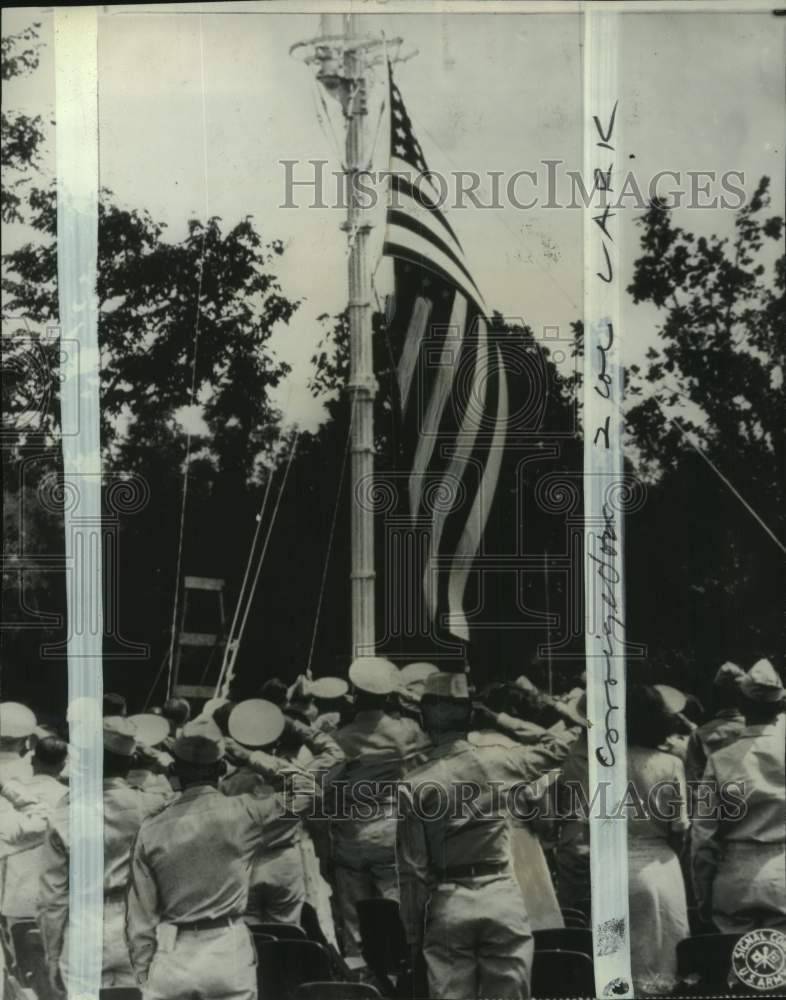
x: 759, y: 959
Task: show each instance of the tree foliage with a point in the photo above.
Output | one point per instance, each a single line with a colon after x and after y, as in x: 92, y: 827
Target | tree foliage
x: 705, y: 581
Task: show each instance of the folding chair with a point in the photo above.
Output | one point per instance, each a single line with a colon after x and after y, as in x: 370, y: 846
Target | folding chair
x: 564, y: 939
x: 707, y: 956
x: 286, y: 963
x: 280, y: 932
x: 562, y: 974
x: 574, y: 917
x: 336, y: 991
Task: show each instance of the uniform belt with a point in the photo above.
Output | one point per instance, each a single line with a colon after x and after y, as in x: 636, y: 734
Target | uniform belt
x: 477, y: 870
x: 208, y: 924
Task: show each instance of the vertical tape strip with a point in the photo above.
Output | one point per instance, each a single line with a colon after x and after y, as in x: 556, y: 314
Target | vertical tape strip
x: 76, y: 131
x: 603, y: 467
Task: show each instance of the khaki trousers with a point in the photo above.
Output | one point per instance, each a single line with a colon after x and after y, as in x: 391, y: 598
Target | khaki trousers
x: 478, y: 944
x: 218, y: 964
x: 749, y: 890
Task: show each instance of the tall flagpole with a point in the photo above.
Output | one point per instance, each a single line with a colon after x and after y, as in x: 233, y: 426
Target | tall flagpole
x: 361, y: 384
x: 343, y: 60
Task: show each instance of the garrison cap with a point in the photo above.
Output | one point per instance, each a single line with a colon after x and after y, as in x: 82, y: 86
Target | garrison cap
x: 16, y: 720
x: 446, y: 685
x: 328, y: 688
x: 674, y: 700
x: 150, y: 729
x: 416, y: 673
x: 119, y: 735
x: 200, y: 742
x: 729, y: 675
x: 374, y: 674
x: 761, y: 683
x: 256, y: 722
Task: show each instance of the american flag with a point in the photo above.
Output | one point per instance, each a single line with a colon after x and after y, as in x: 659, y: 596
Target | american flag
x: 452, y: 386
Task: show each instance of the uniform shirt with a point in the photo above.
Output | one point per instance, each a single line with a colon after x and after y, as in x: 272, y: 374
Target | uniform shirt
x: 13, y: 766
x: 713, y: 735
x: 124, y: 810
x: 658, y: 778
x: 193, y: 860
x: 476, y: 832
x: 756, y: 764
x: 18, y: 831
x: 262, y: 772
x: 21, y: 873
x: 377, y: 734
x: 380, y: 750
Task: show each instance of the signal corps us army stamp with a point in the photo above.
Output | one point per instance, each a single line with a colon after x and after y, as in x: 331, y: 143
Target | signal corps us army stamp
x: 759, y: 959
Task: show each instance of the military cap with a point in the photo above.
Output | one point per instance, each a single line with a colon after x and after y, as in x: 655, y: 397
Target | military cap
x: 328, y: 688
x: 416, y: 673
x: 374, y: 674
x: 119, y: 735
x: 673, y: 699
x: 200, y: 742
x: 729, y: 675
x: 150, y: 729
x: 16, y: 720
x: 446, y: 685
x: 256, y: 722
x: 761, y: 683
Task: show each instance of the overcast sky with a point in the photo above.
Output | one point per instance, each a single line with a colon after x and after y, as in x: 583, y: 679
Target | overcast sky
x: 700, y: 91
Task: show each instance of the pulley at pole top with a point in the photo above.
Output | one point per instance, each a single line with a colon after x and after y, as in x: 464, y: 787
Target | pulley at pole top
x: 338, y: 39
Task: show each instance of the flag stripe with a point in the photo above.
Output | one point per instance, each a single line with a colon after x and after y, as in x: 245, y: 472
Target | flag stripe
x: 414, y: 225
x: 409, y: 246
x: 457, y: 467
x: 418, y: 195
x: 473, y: 532
x: 411, y: 351
x: 451, y: 346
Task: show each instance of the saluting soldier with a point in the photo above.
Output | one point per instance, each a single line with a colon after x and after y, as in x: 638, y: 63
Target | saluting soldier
x: 190, y: 874
x: 380, y: 749
x: 460, y: 899
x: 20, y: 874
x: 124, y: 809
x: 739, y: 859
x: 278, y: 886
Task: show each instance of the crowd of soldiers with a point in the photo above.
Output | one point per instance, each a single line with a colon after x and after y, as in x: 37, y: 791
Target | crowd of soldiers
x: 402, y: 784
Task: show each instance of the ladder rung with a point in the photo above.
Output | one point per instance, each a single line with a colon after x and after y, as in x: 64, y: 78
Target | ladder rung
x: 197, y: 639
x: 203, y: 583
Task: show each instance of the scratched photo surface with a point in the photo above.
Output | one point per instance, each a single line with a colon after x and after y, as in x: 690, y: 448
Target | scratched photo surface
x: 394, y: 400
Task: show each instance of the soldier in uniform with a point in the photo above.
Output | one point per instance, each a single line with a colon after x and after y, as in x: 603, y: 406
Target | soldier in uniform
x: 190, y: 874
x: 460, y: 900
x: 723, y: 728
x: 380, y: 749
x: 124, y: 809
x: 151, y: 763
x: 17, y: 724
x: 278, y: 888
x: 20, y: 873
x: 739, y: 859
